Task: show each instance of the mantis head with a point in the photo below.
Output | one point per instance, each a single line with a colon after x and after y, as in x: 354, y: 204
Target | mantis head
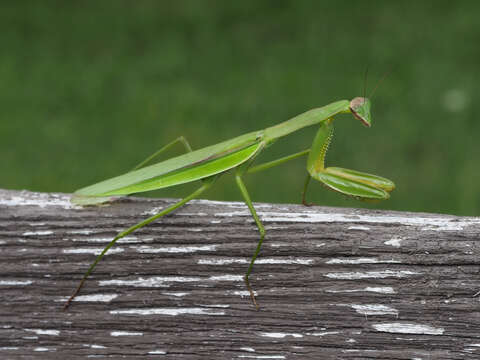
x: 360, y: 108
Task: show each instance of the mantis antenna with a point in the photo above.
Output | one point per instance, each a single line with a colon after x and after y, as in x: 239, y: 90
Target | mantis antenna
x: 379, y: 82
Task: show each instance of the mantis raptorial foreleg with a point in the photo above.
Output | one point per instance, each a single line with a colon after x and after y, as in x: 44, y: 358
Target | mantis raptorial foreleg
x: 206, y: 183
x: 357, y: 184
x: 180, y: 139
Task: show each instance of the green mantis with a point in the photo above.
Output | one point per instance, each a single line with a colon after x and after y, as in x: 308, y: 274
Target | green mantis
x: 238, y: 155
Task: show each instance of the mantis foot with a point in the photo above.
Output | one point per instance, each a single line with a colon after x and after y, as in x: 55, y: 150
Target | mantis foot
x: 304, y: 200
x: 252, y: 295
x: 305, y: 203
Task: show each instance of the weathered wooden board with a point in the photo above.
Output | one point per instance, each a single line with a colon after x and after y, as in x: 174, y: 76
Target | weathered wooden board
x: 332, y: 283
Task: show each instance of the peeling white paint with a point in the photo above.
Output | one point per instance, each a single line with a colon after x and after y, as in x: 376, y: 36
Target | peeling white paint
x: 2, y: 242
x: 93, y: 251
x: 156, y: 281
x: 280, y: 335
x: 95, y: 346
x: 324, y: 333
x: 177, y: 294
x: 381, y: 289
x: 371, y: 274
x: 37, y: 233
x: 471, y: 348
x: 194, y: 229
x: 262, y: 356
x: 438, y: 223
x: 91, y: 298
x: 157, y: 352
x: 226, y: 278
x: 9, y: 348
x: 177, y: 249
x: 275, y: 227
x: 15, y: 282
x: 124, y: 240
x: 374, y: 309
x: 125, y: 333
x: 370, y: 260
x: 226, y: 261
x: 408, y: 328
x: 242, y: 293
x: 80, y: 232
x: 245, y: 213
x: 215, y: 221
x: 181, y: 212
x: 378, y: 289
x: 265, y: 206
x: 153, y: 211
x: 43, y: 349
x: 278, y: 244
x: 394, y: 241
x: 168, y: 311
x: 39, y: 199
x: 223, y: 203
x: 358, y: 228
x: 44, y: 332
x: 249, y: 349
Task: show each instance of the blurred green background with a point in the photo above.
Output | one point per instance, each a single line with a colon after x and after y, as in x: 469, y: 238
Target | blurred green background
x: 90, y: 88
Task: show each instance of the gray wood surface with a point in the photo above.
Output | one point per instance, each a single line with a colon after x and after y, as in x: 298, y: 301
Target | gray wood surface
x: 332, y: 283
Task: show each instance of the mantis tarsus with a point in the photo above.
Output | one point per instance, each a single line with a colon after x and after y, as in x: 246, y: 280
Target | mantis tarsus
x: 238, y: 154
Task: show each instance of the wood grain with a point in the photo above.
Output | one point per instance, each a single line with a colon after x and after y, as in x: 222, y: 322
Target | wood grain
x: 332, y: 283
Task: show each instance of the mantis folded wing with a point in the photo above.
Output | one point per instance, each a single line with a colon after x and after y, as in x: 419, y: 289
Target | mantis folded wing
x: 238, y: 154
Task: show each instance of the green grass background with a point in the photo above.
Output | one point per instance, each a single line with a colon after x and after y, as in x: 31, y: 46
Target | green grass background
x: 90, y: 88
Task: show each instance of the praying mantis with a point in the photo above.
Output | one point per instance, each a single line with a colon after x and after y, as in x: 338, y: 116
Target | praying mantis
x: 237, y: 155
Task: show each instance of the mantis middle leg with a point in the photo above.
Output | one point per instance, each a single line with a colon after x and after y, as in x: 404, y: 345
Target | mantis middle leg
x: 238, y: 177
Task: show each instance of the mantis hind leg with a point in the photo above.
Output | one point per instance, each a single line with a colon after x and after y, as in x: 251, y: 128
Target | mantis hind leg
x: 180, y: 139
x: 261, y: 229
x: 205, y: 185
